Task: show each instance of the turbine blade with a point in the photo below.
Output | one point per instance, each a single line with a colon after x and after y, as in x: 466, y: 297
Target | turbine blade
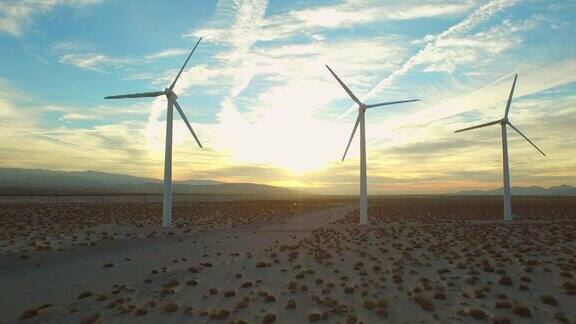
x: 390, y: 103
x: 137, y: 95
x: 479, y: 126
x: 181, y: 112
x: 510, y: 97
x: 351, y: 136
x: 344, y: 86
x: 526, y: 138
x: 183, y: 66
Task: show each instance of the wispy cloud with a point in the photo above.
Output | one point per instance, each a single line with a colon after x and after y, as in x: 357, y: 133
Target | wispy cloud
x: 479, y: 15
x: 264, y: 64
x: 86, y: 56
x: 16, y: 16
x: 345, y: 14
x: 167, y: 53
x: 476, y: 49
x: 93, y: 61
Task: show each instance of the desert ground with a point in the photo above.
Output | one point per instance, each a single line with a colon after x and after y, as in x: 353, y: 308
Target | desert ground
x: 422, y: 260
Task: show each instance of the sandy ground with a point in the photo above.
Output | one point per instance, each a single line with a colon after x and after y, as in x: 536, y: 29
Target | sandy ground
x: 26, y: 227
x: 421, y: 261
x: 59, y: 277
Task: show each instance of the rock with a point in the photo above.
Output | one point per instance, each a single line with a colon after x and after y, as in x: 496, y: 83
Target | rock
x: 141, y: 312
x: 241, y: 305
x: 478, y: 314
x: 381, y: 313
x: 439, y: 295
x: 85, y: 294
x: 90, y: 319
x: 291, y: 304
x: 368, y: 304
x: 222, y: 314
x: 548, y: 300
x: 270, y: 299
x: 382, y: 303
x: 269, y: 318
x: 424, y: 303
x: 29, y: 313
x: 314, y: 317
x: 560, y: 317
x: 170, y: 307
x: 522, y: 311
x: 502, y: 305
x: 500, y: 320
x: 505, y: 281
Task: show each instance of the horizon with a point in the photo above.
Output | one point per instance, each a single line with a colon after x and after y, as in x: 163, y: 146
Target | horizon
x: 314, y: 192
x: 261, y: 101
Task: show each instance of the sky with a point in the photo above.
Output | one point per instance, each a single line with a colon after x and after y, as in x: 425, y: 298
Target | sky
x: 267, y: 110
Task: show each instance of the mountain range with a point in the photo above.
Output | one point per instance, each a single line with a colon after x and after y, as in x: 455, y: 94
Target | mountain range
x: 562, y: 190
x: 23, y: 181
x: 14, y: 181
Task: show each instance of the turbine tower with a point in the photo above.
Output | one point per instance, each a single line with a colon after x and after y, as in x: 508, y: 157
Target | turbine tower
x: 506, y: 169
x: 172, y: 102
x: 360, y: 120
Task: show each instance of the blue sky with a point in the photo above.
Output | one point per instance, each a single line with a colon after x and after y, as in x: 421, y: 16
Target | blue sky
x: 266, y: 107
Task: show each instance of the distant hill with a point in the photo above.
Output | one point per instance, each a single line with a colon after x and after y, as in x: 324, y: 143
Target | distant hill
x: 562, y: 190
x: 13, y: 181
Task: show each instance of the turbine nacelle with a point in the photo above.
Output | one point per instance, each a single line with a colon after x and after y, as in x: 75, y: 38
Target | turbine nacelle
x: 504, y: 120
x: 360, y: 121
x: 172, y: 103
x: 362, y: 107
x: 170, y: 94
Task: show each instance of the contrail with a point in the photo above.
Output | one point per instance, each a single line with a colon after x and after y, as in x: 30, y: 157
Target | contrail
x: 454, y: 100
x: 488, y: 85
x: 42, y: 134
x: 62, y: 131
x: 482, y: 13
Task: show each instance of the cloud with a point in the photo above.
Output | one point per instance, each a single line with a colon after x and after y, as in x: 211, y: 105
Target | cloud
x: 346, y: 14
x: 287, y: 110
x: 478, y: 16
x: 119, y: 145
x: 16, y: 16
x: 275, y: 120
x: 353, y: 13
x: 93, y: 61
x: 249, y: 25
x: 477, y: 49
x: 166, y: 53
x: 87, y: 57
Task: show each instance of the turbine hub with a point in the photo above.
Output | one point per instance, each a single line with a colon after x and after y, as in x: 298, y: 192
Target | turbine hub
x: 170, y: 94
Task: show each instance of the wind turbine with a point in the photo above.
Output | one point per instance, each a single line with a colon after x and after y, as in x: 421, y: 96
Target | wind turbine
x: 360, y: 120
x: 506, y: 169
x: 171, y: 99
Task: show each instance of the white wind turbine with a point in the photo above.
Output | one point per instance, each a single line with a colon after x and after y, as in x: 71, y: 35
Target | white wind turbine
x: 171, y: 98
x: 506, y: 172
x: 360, y: 120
